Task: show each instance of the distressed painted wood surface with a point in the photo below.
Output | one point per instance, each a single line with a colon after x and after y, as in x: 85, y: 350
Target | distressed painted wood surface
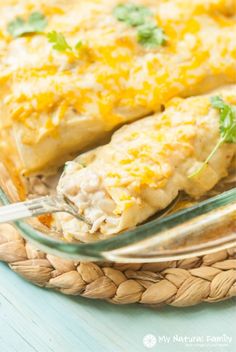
x: 34, y: 319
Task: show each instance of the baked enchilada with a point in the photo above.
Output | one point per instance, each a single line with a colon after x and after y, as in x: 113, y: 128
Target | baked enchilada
x: 73, y: 71
x: 188, y: 147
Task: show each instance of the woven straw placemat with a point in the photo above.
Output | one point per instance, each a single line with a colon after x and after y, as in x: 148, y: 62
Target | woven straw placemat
x: 187, y: 282
x: 178, y: 283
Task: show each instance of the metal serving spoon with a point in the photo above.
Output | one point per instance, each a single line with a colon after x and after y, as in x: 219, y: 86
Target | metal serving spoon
x: 39, y: 206
x: 52, y: 204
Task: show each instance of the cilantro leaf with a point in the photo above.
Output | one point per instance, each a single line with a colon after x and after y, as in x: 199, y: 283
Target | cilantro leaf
x: 78, y: 45
x: 227, y: 127
x: 217, y: 102
x: 36, y: 23
x: 58, y: 40
x: 139, y: 16
x: 150, y: 35
x: 227, y: 119
x: 60, y: 43
x: 131, y: 14
x: 16, y: 27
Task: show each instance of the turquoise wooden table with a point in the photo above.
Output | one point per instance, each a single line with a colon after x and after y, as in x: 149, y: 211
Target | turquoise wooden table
x: 34, y: 319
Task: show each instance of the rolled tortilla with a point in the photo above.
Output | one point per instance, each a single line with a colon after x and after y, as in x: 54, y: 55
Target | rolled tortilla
x: 55, y: 104
x: 145, y: 165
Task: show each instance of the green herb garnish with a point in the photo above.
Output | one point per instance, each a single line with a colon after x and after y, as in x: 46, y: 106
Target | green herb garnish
x: 36, y: 23
x: 148, y: 33
x: 78, y: 45
x: 227, y: 119
x: 60, y: 43
x: 131, y: 14
x: 227, y: 127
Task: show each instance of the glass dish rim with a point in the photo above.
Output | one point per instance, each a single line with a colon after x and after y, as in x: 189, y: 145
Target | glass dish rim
x: 95, y: 250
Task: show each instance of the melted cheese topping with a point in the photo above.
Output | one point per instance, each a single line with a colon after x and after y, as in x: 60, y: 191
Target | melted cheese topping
x: 146, y: 164
x: 114, y: 79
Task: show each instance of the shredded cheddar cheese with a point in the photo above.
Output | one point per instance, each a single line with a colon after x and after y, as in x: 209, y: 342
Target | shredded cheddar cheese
x: 129, y: 179
x: 114, y: 79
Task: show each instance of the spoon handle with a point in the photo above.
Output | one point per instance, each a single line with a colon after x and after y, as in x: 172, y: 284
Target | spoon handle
x: 34, y: 207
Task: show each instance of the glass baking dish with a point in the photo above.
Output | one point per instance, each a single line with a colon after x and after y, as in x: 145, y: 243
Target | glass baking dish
x: 203, y: 228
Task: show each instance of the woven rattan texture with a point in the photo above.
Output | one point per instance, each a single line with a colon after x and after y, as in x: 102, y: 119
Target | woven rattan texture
x: 179, y: 283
